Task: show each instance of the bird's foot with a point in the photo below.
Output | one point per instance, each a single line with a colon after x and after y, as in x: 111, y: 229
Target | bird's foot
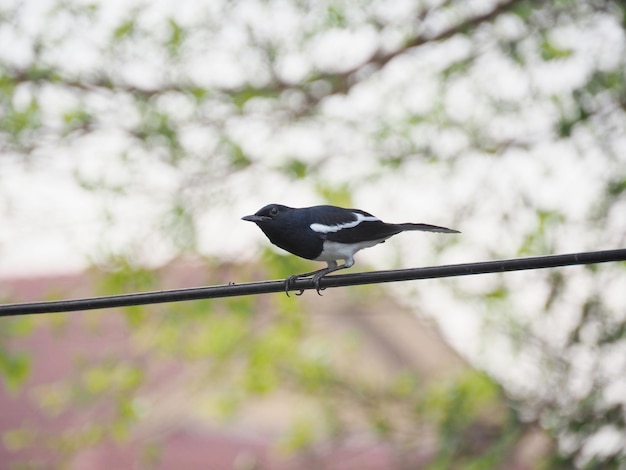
x: 289, y: 282
x: 315, y: 276
x: 316, y: 281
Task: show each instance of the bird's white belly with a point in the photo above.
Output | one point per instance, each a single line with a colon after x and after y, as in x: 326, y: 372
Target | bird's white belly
x: 333, y: 250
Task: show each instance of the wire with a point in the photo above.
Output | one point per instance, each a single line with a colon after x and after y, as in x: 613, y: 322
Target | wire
x: 266, y: 287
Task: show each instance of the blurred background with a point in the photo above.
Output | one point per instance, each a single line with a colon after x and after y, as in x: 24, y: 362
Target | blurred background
x: 135, y: 134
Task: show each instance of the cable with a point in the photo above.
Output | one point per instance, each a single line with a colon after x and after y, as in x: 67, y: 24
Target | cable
x: 266, y: 287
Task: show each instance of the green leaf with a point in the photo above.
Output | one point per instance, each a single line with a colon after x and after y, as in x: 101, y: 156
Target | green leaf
x: 499, y: 293
x: 460, y: 67
x: 17, y: 326
x: 296, y: 168
x: 616, y: 187
x: 96, y: 380
x: 180, y: 225
x: 135, y: 315
x: 229, y: 402
x: 340, y: 195
x: 300, y: 436
x: 523, y: 9
x: 176, y: 36
x: 238, y: 157
x: 53, y: 398
x: 221, y: 340
x: 77, y: 118
x: 124, y: 275
x: 17, y: 439
x: 241, y: 97
x: 199, y: 94
x: 17, y: 121
x: 549, y: 51
x: 123, y: 30
x: 383, y: 425
x: 335, y: 16
x: 14, y: 368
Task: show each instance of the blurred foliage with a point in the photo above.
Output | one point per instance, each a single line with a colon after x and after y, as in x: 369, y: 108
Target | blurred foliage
x: 216, y: 76
x: 14, y: 365
x: 223, y: 354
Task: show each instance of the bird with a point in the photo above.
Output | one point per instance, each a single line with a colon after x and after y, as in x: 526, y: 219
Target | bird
x: 327, y: 233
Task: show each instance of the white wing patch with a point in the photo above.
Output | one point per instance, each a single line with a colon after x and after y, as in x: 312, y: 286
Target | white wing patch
x: 321, y: 228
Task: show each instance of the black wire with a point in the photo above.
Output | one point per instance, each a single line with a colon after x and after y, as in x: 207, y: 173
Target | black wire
x: 266, y: 287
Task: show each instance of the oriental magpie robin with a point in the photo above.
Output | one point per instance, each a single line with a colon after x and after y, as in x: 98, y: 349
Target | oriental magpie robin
x: 327, y: 233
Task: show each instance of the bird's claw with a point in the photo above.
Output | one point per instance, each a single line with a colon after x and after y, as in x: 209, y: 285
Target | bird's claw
x: 289, y: 281
x: 316, y: 283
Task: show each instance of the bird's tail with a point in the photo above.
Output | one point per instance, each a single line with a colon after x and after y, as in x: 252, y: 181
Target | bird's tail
x: 426, y: 228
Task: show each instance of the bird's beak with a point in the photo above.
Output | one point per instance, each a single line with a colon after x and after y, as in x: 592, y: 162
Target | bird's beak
x: 255, y: 218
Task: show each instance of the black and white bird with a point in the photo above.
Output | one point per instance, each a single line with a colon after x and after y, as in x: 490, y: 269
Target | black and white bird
x: 327, y: 233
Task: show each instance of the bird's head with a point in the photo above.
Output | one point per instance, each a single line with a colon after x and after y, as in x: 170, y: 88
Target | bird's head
x: 268, y: 214
x: 289, y: 229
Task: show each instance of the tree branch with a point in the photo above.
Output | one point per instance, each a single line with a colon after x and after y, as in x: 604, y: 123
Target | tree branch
x: 340, y: 83
x: 343, y: 81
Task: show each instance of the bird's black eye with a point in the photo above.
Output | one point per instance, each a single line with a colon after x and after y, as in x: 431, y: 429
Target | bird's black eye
x: 274, y: 211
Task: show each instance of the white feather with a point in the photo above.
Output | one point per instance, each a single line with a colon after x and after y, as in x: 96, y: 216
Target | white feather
x: 321, y: 228
x: 333, y: 250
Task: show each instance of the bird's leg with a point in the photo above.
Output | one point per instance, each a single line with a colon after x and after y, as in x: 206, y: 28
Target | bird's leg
x: 291, y: 279
x: 317, y: 275
x: 332, y: 267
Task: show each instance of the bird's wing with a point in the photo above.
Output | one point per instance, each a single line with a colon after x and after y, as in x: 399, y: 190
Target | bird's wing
x: 351, y: 226
x: 363, y: 232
